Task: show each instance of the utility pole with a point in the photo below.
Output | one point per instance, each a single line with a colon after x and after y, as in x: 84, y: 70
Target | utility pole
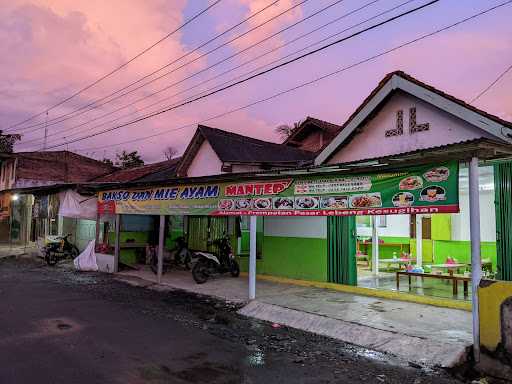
x: 45, y: 132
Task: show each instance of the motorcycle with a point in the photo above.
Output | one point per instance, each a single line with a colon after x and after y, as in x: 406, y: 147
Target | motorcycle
x: 209, y: 264
x: 58, y: 249
x: 180, y: 257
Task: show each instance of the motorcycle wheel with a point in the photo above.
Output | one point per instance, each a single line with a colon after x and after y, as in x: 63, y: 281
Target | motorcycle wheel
x: 50, y: 259
x: 235, y: 269
x: 199, y: 272
x: 188, y: 262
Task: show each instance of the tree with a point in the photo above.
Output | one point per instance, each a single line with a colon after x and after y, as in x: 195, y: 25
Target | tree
x: 285, y: 130
x: 128, y: 159
x: 107, y: 161
x: 7, y: 142
x: 170, y: 152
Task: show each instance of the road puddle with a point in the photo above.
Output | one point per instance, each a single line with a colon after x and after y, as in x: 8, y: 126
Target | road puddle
x: 256, y: 357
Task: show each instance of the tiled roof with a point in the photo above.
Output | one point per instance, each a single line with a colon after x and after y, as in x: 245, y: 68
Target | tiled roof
x: 235, y: 148
x: 62, y: 166
x: 164, y: 173
x: 330, y: 131
x: 166, y: 169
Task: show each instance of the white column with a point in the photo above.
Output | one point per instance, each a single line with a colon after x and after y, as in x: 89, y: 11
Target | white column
x: 419, y: 240
x: 476, y: 262
x: 252, y: 258
x: 375, y: 246
x: 161, y: 237
x: 117, y: 249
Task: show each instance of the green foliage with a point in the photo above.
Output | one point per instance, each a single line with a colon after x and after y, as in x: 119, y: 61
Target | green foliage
x: 128, y: 159
x: 7, y: 142
x: 107, y: 161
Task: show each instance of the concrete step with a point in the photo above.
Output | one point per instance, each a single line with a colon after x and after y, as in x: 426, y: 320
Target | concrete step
x: 419, y: 350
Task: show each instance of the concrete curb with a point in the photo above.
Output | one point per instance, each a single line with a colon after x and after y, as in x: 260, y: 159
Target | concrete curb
x: 409, y: 348
x: 390, y: 295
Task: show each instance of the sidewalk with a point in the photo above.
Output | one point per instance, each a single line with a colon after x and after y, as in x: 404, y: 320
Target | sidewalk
x: 7, y: 250
x: 417, y: 333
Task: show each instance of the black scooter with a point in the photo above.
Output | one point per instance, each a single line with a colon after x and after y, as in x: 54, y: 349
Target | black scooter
x: 180, y: 258
x: 209, y: 264
x: 61, y: 249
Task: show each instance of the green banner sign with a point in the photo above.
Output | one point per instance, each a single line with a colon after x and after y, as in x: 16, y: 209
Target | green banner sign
x: 420, y: 189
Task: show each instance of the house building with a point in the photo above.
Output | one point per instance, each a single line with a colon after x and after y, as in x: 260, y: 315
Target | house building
x: 213, y: 151
x: 312, y: 135
x: 29, y: 216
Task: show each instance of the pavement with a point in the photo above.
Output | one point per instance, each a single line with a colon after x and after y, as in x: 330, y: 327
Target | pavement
x: 61, y: 326
x: 421, y: 334
x: 7, y: 250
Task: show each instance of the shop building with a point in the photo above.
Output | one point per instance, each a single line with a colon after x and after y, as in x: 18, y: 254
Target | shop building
x: 402, y: 122
x: 29, y: 212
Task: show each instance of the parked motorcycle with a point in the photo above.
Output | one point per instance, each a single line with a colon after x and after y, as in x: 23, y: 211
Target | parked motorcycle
x: 180, y: 257
x: 209, y: 264
x: 59, y: 249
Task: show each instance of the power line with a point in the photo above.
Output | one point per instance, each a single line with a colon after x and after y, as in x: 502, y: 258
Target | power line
x: 502, y: 74
x: 403, y: 14
x: 119, y: 67
x: 323, y: 77
x: 221, y: 61
x: 239, y: 66
x: 93, y: 105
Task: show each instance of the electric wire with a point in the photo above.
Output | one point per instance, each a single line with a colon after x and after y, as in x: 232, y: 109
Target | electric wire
x: 67, y: 130
x: 391, y: 19
x: 107, y: 75
x: 486, y: 89
x: 94, y: 104
x: 305, y: 84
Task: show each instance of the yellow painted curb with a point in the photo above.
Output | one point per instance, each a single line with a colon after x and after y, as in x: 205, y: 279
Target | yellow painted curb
x: 391, y: 295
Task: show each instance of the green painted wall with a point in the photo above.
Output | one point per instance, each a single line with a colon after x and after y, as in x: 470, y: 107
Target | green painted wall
x: 128, y: 256
x: 427, y: 248
x: 292, y: 257
x: 461, y: 250
x: 441, y: 227
x: 170, y: 240
x: 386, y: 252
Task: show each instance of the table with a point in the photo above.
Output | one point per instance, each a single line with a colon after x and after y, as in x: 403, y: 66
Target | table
x: 454, y: 278
x: 399, y: 261
x: 450, y: 267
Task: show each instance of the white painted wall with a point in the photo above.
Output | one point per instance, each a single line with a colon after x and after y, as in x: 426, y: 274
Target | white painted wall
x: 460, y: 221
x: 372, y: 142
x: 396, y: 226
x: 309, y: 227
x: 205, y: 163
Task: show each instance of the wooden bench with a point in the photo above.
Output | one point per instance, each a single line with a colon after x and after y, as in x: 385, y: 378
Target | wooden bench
x: 454, y: 278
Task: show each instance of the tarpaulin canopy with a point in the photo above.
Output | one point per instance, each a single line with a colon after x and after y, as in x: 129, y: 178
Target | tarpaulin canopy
x: 75, y: 205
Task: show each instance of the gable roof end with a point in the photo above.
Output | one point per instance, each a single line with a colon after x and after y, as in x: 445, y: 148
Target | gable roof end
x: 399, y: 80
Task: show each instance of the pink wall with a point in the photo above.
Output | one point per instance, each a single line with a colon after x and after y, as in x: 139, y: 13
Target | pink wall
x: 372, y: 142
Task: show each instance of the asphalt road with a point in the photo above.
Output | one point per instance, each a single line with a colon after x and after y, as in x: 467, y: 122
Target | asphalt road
x: 59, y: 326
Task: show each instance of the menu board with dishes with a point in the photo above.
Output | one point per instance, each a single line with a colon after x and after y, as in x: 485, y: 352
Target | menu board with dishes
x: 420, y: 189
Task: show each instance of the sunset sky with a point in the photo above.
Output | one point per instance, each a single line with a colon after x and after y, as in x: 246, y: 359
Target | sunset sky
x: 53, y: 48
